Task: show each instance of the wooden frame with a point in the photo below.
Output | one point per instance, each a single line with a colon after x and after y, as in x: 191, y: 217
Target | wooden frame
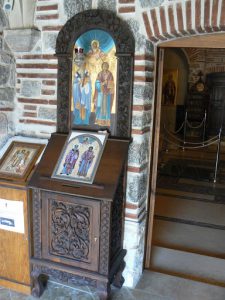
x: 125, y: 46
x: 209, y: 41
x: 80, y: 157
x: 19, y: 159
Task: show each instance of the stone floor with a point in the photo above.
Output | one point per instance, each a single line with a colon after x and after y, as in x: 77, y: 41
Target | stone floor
x: 152, y: 286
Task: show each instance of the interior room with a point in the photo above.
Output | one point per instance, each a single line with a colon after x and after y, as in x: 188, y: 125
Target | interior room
x: 190, y: 176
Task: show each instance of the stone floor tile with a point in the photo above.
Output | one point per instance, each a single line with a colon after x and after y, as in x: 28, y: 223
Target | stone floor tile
x: 4, y: 294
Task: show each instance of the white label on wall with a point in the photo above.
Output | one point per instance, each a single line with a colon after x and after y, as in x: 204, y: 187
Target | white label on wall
x: 11, y: 215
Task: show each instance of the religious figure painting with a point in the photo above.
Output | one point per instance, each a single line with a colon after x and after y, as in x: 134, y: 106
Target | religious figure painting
x: 169, y: 90
x: 80, y: 156
x: 19, y: 159
x: 94, y: 71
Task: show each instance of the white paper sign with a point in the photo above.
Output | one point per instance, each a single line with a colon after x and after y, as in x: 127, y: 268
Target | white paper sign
x: 11, y: 215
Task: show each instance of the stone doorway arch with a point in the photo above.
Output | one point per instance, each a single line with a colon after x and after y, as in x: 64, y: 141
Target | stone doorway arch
x: 197, y: 24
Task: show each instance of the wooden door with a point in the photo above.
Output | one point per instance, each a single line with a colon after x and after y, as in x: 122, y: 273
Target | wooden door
x: 154, y: 159
x: 70, y: 230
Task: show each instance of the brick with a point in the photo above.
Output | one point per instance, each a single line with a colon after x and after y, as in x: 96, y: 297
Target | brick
x: 222, y: 17
x: 142, y: 79
x: 126, y: 1
x: 171, y: 21
x: 163, y: 22
x: 215, y: 8
x: 131, y: 205
x: 52, y: 102
x: 47, y: 17
x: 29, y: 114
x: 47, y: 7
x: 6, y: 109
x: 126, y: 9
x: 138, y: 131
x: 30, y: 107
x: 180, y: 20
x: 48, y: 92
x: 146, y: 57
x: 148, y: 28
x: 143, y: 68
x: 36, y: 75
x: 198, y: 16
x: 51, y: 28
x: 28, y: 121
x: 207, y: 14
x: 33, y: 101
x: 37, y: 66
x: 37, y: 56
x: 188, y: 17
x: 142, y: 107
x: 49, y: 82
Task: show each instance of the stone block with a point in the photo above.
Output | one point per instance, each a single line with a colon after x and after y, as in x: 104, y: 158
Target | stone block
x: 3, y: 20
x: 3, y: 124
x: 6, y: 58
x: 136, y: 186
x: 30, y: 88
x: 151, y: 3
x: 22, y: 40
x: 138, y: 153
x: 47, y: 113
x: 4, y: 74
x: 107, y: 4
x: 135, y: 251
x: 143, y: 93
x: 49, y: 41
x: 72, y: 7
x: 141, y: 120
x: 7, y: 94
x: 140, y: 40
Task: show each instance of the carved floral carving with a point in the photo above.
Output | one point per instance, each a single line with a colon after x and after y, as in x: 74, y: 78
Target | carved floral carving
x: 70, y: 229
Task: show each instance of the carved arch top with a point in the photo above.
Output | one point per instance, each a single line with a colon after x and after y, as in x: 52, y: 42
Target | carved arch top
x: 125, y: 46
x: 101, y: 19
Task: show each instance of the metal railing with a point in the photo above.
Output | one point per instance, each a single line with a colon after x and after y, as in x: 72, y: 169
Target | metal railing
x: 171, y: 138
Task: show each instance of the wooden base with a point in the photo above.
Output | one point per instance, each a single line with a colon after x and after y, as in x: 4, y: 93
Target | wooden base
x: 18, y: 287
x: 43, y: 270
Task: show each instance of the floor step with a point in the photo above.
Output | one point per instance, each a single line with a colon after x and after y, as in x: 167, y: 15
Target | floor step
x: 190, y: 265
x: 190, y: 210
x: 165, y: 287
x: 203, y: 240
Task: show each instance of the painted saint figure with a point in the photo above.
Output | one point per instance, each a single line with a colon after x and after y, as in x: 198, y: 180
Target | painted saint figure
x: 85, y: 162
x: 70, y: 161
x: 103, y: 97
x: 95, y: 51
x: 18, y: 160
x: 169, y: 90
x: 82, y: 96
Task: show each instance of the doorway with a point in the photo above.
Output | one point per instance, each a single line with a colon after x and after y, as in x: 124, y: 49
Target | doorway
x: 183, y: 179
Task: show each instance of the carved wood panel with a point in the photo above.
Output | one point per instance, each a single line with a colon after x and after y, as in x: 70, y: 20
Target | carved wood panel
x: 73, y: 230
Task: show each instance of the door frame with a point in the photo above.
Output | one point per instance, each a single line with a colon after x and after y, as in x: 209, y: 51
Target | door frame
x: 210, y: 41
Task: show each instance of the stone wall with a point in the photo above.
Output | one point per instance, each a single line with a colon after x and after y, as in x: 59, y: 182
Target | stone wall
x: 151, y: 22
x: 205, y: 60
x: 7, y: 83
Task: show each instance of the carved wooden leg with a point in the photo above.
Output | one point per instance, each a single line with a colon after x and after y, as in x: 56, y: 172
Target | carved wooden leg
x: 118, y: 279
x: 39, y: 283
